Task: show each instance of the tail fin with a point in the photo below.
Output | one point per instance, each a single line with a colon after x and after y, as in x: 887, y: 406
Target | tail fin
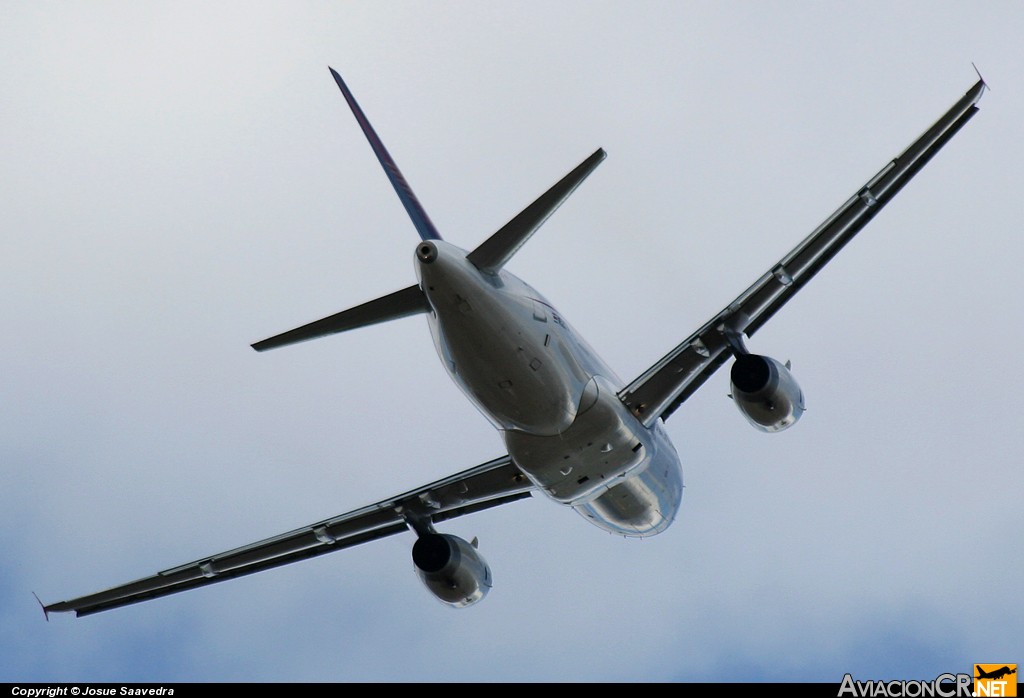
x: 412, y: 205
x: 489, y: 256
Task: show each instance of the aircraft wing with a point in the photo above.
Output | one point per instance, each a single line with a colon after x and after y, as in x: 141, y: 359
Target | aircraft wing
x: 664, y: 386
x: 487, y: 485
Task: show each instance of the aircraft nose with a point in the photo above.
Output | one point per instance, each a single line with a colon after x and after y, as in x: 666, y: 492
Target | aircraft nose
x: 426, y: 252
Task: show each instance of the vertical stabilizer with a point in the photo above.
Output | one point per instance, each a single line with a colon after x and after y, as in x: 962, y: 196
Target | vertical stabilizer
x: 412, y: 205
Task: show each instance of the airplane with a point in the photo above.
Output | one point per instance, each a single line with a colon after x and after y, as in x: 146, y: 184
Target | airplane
x: 995, y: 674
x: 573, y: 431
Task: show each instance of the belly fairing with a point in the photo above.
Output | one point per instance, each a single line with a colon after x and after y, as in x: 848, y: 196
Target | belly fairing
x: 612, y: 470
x: 644, y: 503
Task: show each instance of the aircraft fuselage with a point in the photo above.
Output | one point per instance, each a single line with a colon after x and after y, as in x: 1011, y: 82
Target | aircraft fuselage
x: 551, y: 397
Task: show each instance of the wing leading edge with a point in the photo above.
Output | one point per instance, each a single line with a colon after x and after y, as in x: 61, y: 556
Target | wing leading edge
x: 487, y: 485
x: 665, y: 385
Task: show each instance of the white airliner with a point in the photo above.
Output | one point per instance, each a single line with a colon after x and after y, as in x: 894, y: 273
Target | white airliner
x: 574, y: 432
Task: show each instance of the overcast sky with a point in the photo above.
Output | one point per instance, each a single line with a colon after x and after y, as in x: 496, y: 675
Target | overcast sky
x: 178, y: 180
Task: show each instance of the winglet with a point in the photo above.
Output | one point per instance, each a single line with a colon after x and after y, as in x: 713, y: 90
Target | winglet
x: 980, y: 78
x: 46, y: 612
x: 419, y: 217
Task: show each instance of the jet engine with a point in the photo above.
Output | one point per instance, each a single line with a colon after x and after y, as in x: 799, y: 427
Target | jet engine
x: 766, y: 392
x: 451, y: 569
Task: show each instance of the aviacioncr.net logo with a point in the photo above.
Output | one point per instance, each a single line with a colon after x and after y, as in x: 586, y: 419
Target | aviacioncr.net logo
x: 943, y: 686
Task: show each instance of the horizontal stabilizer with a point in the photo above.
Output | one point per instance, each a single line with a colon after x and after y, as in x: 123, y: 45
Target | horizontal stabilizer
x: 492, y: 254
x: 408, y: 301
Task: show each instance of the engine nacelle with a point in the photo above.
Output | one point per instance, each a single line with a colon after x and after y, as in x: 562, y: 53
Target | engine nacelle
x: 451, y: 569
x: 766, y: 392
